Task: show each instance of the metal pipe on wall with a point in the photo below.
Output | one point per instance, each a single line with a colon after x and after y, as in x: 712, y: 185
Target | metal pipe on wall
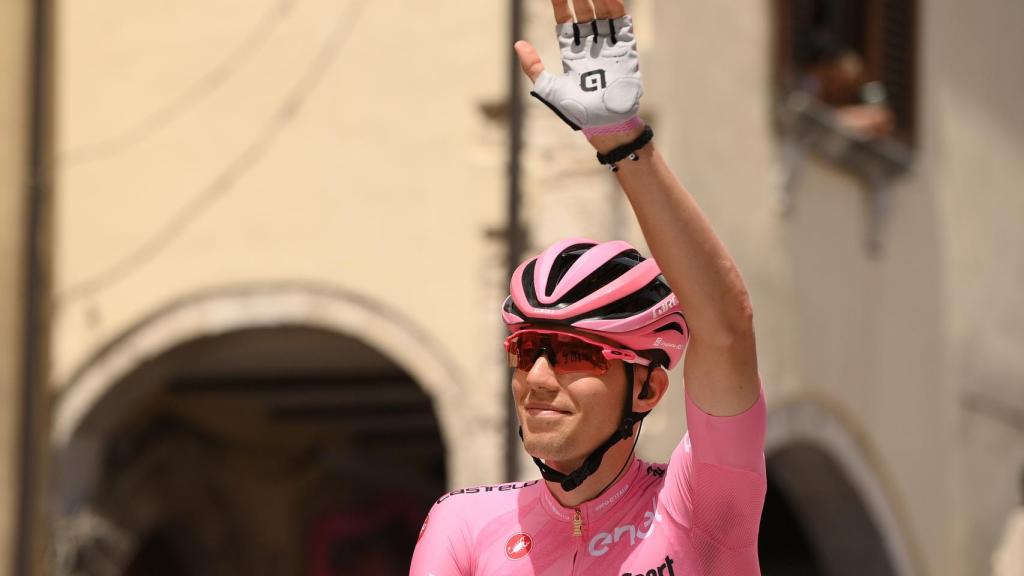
x: 36, y: 291
x: 515, y: 232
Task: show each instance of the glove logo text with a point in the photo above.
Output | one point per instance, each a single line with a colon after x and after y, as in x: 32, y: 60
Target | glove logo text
x: 593, y: 81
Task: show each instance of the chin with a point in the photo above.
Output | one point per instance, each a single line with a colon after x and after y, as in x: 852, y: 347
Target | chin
x: 547, y: 446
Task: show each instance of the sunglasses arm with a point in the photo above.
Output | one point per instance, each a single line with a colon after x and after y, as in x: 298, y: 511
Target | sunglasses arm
x: 625, y: 356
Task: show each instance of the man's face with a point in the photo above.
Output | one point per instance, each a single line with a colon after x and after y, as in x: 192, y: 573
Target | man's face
x: 566, y: 416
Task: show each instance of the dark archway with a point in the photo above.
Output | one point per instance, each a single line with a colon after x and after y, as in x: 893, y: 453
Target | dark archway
x: 253, y: 451
x: 815, y: 523
x: 783, y: 546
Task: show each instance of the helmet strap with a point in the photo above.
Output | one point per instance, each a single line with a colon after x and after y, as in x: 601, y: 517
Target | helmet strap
x: 574, y: 479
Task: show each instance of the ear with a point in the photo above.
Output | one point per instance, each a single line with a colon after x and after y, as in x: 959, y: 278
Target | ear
x: 657, y: 386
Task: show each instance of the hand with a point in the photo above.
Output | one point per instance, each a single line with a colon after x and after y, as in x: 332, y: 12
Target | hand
x: 601, y: 88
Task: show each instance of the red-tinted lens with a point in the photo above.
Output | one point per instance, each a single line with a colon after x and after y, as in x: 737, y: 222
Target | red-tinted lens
x: 573, y: 355
x: 565, y: 353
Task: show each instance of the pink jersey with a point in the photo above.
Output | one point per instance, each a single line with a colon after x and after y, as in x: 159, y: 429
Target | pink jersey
x: 697, y: 515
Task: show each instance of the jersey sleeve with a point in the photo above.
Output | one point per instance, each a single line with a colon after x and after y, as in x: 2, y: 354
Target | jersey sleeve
x: 715, y: 486
x: 444, y: 547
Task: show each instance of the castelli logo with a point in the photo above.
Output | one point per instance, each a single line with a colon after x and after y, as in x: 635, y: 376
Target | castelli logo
x: 518, y: 546
x: 423, y: 528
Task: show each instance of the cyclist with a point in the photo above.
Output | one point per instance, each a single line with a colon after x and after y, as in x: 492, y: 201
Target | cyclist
x: 593, y: 328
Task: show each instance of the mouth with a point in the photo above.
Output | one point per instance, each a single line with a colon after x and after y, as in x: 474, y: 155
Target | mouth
x: 545, y: 411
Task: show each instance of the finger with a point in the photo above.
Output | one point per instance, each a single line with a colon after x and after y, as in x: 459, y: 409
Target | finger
x: 562, y: 13
x: 612, y: 8
x: 601, y: 9
x: 584, y: 10
x: 529, y: 60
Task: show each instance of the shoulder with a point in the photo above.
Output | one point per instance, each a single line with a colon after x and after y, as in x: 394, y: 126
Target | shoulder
x: 487, y: 498
x: 450, y: 543
x: 462, y: 513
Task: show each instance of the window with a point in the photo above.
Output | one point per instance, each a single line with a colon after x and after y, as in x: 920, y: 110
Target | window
x: 844, y: 73
x: 854, y: 56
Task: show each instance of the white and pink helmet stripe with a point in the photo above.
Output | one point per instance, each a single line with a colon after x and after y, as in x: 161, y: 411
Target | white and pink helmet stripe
x: 586, y: 264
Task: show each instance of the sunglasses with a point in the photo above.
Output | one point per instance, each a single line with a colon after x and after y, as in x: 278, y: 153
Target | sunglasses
x: 567, y: 353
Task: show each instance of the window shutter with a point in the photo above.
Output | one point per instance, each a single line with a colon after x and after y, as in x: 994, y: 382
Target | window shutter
x: 898, y: 57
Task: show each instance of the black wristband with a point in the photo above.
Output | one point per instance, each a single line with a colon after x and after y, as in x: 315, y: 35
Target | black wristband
x: 627, y: 150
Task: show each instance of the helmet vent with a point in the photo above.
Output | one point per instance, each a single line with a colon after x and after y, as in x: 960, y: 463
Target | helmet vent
x: 671, y: 326
x: 604, y: 275
x: 643, y: 299
x: 564, y: 261
x: 531, y: 294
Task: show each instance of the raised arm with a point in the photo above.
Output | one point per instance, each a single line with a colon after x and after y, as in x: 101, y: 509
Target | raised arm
x: 721, y: 364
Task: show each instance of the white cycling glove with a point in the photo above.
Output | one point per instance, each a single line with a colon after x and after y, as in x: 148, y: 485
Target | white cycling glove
x: 601, y: 88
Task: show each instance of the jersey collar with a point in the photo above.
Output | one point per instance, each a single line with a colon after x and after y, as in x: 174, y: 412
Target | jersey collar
x: 592, y: 510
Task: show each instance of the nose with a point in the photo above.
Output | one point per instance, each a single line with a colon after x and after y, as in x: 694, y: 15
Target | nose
x: 542, y: 375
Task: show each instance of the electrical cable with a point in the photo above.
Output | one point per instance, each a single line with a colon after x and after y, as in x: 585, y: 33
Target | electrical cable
x: 224, y: 181
x: 207, y: 84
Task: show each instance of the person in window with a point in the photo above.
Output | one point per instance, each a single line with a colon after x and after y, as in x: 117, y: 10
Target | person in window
x: 835, y: 73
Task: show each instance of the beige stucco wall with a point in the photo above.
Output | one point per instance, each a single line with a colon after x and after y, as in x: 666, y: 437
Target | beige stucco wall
x: 978, y: 145
x: 14, y: 110
x: 1008, y: 558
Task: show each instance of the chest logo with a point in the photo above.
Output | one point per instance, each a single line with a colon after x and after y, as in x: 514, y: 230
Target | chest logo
x: 602, y: 542
x: 518, y: 546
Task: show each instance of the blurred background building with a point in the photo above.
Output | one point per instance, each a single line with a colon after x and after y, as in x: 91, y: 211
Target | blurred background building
x: 279, y: 237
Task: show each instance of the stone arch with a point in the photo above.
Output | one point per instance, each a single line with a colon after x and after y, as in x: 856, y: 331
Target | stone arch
x: 225, y: 311
x: 813, y: 436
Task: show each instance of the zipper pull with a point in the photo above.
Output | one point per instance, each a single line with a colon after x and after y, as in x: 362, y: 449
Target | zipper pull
x: 577, y: 523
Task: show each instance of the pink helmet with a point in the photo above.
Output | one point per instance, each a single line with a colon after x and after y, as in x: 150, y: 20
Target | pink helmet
x: 605, y: 288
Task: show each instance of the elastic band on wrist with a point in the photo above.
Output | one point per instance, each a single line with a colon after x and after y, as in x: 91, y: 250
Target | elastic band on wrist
x: 627, y: 126
x: 627, y: 150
